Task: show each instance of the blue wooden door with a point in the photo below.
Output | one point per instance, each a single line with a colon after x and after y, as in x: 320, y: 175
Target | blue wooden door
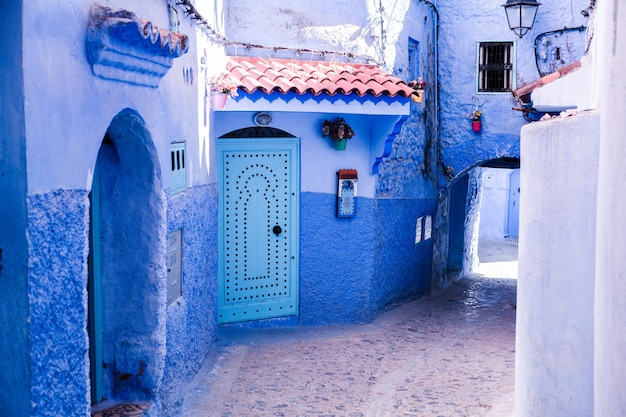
x: 513, y: 212
x: 94, y: 290
x: 258, y: 228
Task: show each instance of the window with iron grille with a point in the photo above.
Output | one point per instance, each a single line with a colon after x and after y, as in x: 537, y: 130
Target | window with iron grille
x: 495, y: 67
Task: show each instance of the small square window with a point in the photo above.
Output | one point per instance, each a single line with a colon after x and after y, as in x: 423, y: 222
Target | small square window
x: 495, y: 67
x: 414, y: 64
x: 179, y: 172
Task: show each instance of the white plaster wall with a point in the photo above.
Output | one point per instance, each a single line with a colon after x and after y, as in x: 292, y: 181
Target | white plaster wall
x: 554, y: 335
x: 348, y: 26
x: 610, y: 307
x: 494, y: 204
x: 68, y: 109
x: 575, y: 89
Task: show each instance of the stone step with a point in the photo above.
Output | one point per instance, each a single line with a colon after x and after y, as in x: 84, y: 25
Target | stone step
x: 135, y: 409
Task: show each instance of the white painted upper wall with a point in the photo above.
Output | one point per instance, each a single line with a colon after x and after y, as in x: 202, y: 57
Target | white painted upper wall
x: 347, y: 26
x: 68, y: 109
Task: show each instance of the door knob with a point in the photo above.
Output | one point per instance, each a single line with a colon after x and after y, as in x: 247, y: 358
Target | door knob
x: 277, y: 230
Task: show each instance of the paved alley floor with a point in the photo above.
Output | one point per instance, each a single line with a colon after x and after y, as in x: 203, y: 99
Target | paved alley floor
x: 448, y: 354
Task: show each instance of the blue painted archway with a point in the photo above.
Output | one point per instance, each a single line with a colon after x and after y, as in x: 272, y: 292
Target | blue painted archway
x: 127, y: 267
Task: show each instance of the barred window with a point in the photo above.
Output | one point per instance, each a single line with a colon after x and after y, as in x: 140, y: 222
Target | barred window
x: 495, y: 67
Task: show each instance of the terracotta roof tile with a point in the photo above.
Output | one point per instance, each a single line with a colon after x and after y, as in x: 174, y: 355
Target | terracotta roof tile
x: 314, y: 77
x: 522, y: 91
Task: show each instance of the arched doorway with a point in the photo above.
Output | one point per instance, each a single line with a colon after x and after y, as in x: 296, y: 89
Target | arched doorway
x: 464, y: 214
x: 258, y: 261
x: 127, y: 265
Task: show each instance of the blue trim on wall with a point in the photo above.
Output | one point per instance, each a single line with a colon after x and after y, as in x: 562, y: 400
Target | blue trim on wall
x: 388, y: 145
x: 288, y: 96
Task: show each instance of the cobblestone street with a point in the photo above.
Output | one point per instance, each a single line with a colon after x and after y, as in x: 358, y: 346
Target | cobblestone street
x: 448, y: 354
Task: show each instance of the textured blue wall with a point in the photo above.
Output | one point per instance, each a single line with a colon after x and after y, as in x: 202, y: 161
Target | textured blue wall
x: 337, y: 261
x: 191, y: 320
x: 352, y: 268
x: 58, y: 239
x: 403, y: 266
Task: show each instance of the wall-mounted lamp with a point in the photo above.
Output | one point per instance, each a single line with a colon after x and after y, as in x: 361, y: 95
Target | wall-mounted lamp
x: 262, y: 119
x: 521, y: 15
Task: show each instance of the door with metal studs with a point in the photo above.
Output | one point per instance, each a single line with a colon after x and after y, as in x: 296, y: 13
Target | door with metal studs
x: 258, y: 228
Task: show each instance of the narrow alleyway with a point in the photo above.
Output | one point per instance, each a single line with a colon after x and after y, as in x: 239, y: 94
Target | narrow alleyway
x: 448, y: 354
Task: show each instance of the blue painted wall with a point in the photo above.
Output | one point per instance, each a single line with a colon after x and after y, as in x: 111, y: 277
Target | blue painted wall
x: 69, y: 112
x: 14, y: 350
x: 192, y: 319
x: 337, y: 262
x: 403, y: 267
x: 58, y: 227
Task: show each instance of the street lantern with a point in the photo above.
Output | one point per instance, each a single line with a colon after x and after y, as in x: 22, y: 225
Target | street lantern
x: 521, y: 15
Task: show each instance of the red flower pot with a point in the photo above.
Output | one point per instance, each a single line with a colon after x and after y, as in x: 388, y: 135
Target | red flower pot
x: 476, y: 125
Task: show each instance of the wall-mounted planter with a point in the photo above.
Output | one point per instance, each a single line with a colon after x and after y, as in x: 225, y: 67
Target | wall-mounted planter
x: 417, y: 96
x: 339, y: 131
x: 476, y: 125
x: 124, y: 48
x: 340, y: 145
x: 218, y: 101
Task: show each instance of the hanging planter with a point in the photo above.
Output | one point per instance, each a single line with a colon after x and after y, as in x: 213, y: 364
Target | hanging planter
x: 218, y: 100
x: 339, y: 131
x: 476, y: 115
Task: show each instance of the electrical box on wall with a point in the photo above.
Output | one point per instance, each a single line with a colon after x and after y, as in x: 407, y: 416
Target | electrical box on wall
x: 346, y: 192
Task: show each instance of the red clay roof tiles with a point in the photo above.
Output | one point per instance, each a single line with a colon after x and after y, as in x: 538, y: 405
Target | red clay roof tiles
x: 547, y: 79
x: 313, y: 77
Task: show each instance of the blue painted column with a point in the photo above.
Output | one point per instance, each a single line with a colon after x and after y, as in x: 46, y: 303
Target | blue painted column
x: 14, y: 354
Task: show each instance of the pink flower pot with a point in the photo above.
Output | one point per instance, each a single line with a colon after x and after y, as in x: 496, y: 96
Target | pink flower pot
x: 218, y: 101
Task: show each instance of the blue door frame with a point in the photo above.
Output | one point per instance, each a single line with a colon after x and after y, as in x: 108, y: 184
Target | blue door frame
x: 94, y: 289
x: 513, y: 211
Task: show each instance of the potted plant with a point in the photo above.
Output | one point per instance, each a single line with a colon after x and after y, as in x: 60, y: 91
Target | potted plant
x: 476, y: 115
x: 339, y: 131
x: 419, y: 86
x: 222, y: 87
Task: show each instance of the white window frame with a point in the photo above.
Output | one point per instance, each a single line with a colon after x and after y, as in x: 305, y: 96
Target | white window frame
x: 178, y: 168
x: 513, y: 66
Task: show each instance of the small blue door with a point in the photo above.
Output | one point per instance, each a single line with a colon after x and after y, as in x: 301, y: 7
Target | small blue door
x: 258, y: 228
x: 513, y: 212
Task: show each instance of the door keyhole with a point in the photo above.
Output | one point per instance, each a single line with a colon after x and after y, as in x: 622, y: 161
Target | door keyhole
x: 277, y: 230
